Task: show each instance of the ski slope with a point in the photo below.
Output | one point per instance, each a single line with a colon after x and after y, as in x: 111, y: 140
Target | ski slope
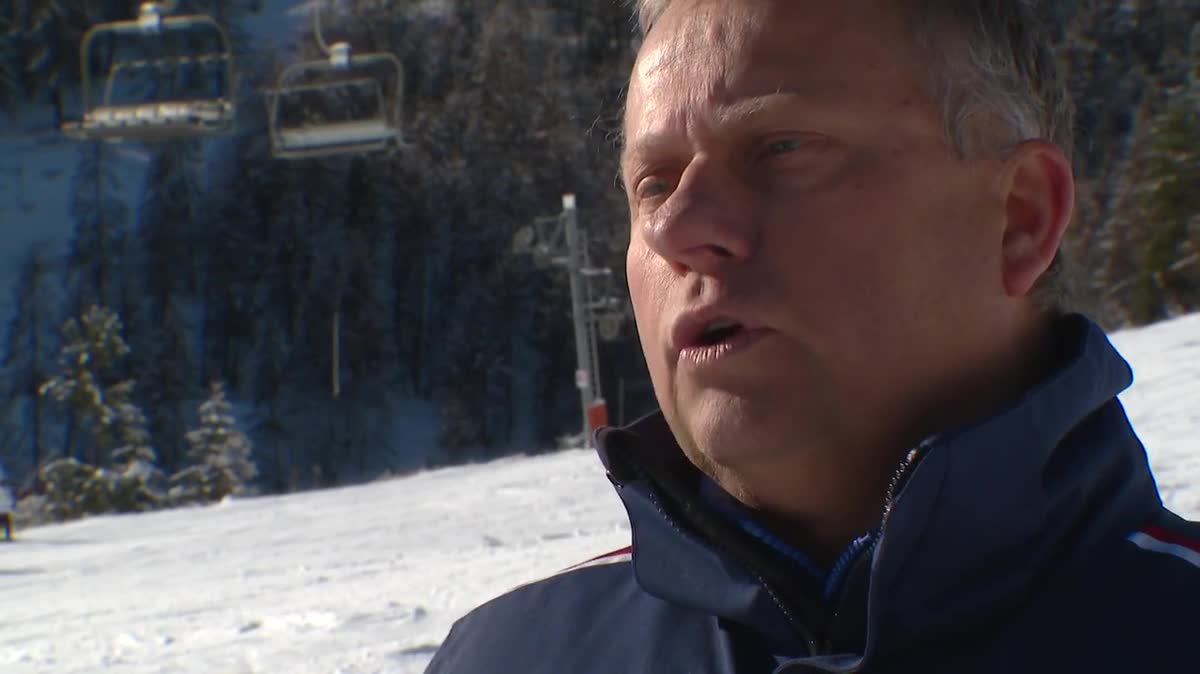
x: 370, y: 578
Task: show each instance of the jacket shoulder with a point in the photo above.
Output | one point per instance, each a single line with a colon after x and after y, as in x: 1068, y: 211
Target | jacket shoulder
x: 1152, y: 585
x: 591, y: 619
x: 522, y: 630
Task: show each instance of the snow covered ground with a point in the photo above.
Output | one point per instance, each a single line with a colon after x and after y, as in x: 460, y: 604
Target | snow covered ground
x: 369, y: 579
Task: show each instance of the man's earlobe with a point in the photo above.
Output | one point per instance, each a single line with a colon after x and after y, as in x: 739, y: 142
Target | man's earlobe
x: 1040, y: 201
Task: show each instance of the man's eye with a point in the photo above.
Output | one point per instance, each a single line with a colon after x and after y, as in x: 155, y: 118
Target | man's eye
x: 652, y: 187
x: 783, y: 146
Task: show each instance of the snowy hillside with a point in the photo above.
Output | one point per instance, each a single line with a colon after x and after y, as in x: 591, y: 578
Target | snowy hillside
x: 369, y: 579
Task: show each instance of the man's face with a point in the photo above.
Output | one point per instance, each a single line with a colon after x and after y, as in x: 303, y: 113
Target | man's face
x: 809, y: 260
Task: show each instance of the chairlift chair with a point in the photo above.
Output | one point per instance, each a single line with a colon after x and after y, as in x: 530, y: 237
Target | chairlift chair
x: 375, y: 78
x: 175, y: 116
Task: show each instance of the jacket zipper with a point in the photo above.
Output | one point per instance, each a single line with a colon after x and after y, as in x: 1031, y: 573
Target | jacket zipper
x: 806, y: 635
x: 897, y: 482
x: 815, y: 647
x: 899, y: 479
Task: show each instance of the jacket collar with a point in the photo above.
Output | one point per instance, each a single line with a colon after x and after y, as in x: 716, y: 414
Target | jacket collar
x: 985, y: 511
x: 673, y: 531
x: 991, y: 508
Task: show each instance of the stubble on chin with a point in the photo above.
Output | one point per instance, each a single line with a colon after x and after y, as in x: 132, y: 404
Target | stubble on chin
x: 707, y: 432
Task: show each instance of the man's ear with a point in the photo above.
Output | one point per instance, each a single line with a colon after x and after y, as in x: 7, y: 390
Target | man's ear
x: 1039, y: 201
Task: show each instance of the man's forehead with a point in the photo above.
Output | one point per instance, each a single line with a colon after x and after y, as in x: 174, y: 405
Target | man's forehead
x: 718, y: 59
x: 722, y: 50
x: 693, y: 31
x: 722, y: 38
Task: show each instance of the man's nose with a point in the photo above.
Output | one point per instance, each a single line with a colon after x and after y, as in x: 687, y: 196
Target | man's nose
x: 707, y: 222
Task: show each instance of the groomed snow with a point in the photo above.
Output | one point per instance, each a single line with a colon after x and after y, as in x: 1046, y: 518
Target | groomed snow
x: 370, y: 578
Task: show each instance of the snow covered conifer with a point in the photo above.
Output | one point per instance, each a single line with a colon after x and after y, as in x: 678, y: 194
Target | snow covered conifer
x: 136, y: 479
x: 87, y: 383
x: 87, y: 365
x: 92, y: 346
x: 221, y: 453
x: 132, y: 439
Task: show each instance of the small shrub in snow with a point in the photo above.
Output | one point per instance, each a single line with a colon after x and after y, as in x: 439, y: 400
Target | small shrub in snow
x: 69, y: 488
x: 33, y: 510
x: 75, y: 489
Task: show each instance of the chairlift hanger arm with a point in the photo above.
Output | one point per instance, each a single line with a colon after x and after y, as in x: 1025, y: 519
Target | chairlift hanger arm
x: 163, y: 6
x: 317, y: 33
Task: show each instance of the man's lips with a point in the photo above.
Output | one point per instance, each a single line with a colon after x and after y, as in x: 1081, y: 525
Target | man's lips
x: 709, y: 327
x: 732, y: 343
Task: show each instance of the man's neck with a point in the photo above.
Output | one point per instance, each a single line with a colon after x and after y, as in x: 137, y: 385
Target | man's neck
x: 832, y: 512
x: 820, y: 502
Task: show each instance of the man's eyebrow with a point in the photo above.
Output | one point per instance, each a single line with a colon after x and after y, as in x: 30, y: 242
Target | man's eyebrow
x: 643, y: 145
x: 750, y: 107
x: 740, y: 111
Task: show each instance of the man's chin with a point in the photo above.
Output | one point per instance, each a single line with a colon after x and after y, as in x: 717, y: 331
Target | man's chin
x: 729, y: 443
x: 730, y: 426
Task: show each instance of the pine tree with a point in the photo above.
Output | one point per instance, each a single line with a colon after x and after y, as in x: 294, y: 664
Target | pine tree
x: 1165, y: 237
x: 136, y: 481
x: 133, y: 438
x: 221, y: 452
x: 88, y: 385
x: 88, y: 382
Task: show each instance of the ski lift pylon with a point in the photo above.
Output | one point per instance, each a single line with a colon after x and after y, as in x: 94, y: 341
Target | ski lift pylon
x: 172, y: 116
x: 605, y: 308
x: 374, y: 80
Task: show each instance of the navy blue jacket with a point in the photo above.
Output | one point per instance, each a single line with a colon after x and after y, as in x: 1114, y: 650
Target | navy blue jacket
x: 1032, y: 542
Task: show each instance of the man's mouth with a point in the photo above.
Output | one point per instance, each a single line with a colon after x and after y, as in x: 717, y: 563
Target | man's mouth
x: 709, y: 335
x: 718, y: 332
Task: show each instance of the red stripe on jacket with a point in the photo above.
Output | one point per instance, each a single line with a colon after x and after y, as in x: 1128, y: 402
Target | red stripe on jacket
x: 1167, y: 536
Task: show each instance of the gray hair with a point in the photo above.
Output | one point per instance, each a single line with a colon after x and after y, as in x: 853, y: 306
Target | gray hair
x: 995, y: 75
